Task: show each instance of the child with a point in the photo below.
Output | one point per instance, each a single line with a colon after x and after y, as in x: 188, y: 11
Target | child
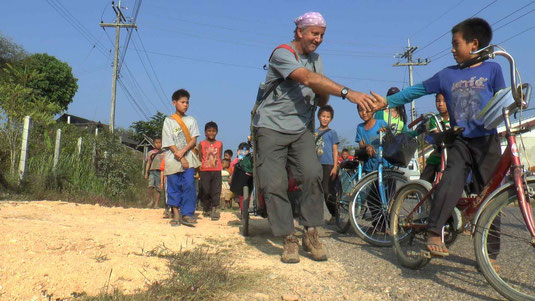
x: 466, y: 92
x: 344, y: 156
x: 179, y: 135
x: 152, y: 172
x: 228, y: 155
x: 327, y: 149
x: 210, y: 150
x: 398, y: 116
x: 226, y: 194
x: 432, y: 164
x: 368, y: 138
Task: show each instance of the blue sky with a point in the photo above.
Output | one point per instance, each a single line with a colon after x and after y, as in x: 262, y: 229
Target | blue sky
x: 216, y: 50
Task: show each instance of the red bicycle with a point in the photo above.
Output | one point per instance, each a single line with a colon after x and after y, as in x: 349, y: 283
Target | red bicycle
x: 501, y: 214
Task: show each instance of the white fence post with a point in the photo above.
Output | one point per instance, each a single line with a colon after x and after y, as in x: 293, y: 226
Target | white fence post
x: 79, y: 146
x: 24, y: 148
x: 57, y: 151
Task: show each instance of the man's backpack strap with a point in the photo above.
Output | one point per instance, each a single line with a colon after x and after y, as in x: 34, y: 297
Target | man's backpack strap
x: 287, y: 47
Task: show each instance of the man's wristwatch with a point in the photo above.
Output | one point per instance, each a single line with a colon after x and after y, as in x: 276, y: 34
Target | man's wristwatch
x: 344, y: 92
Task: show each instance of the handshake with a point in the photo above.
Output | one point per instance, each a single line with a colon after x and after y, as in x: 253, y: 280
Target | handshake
x: 373, y: 102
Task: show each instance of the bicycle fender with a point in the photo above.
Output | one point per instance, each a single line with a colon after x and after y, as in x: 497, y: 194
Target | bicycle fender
x: 501, y: 189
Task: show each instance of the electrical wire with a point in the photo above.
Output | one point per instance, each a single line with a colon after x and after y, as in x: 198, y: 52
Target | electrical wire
x: 148, y: 74
x: 435, y: 40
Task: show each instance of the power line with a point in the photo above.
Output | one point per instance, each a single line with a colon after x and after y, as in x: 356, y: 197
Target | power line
x: 150, y: 63
x: 529, y: 12
x: 433, y: 41
x: 512, y: 13
x: 148, y: 75
x: 437, y: 18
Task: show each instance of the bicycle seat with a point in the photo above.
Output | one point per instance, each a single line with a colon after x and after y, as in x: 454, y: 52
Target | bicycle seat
x: 349, y: 164
x: 447, y: 136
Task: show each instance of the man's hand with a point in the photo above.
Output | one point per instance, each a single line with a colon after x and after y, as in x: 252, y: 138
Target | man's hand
x: 379, y: 100
x: 364, y: 100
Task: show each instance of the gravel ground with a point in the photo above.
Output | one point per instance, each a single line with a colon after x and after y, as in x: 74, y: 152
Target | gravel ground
x: 376, y: 271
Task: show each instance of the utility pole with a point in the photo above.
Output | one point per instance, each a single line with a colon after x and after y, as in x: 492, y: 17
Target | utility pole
x: 120, y: 22
x: 408, y: 55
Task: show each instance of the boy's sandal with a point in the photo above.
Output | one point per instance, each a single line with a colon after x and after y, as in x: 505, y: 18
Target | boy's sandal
x: 441, y: 246
x: 166, y: 214
x: 188, y: 221
x: 174, y: 223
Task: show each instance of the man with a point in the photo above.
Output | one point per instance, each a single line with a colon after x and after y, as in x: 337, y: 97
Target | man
x: 283, y: 124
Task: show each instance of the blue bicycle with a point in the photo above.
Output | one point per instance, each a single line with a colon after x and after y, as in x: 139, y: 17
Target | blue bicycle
x: 370, y: 201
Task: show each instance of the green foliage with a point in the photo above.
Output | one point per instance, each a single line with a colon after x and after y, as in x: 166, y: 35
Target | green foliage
x: 56, y: 85
x: 151, y: 128
x: 105, y: 171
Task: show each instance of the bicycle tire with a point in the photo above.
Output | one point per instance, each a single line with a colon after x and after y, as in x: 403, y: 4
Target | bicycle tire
x: 342, y: 211
x: 409, y: 243
x: 245, y: 212
x: 510, y: 280
x: 369, y: 222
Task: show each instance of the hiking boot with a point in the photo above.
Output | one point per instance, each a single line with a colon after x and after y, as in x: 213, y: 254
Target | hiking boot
x: 290, y: 251
x: 313, y: 244
x: 214, y: 215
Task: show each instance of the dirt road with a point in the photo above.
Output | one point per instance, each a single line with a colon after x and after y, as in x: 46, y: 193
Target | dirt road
x: 64, y: 248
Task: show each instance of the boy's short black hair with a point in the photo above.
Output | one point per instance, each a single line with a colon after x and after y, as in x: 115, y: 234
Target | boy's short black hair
x: 210, y: 125
x: 157, y: 138
x: 474, y: 28
x: 345, y: 150
x: 244, y: 145
x: 326, y: 108
x: 179, y: 94
x: 229, y: 151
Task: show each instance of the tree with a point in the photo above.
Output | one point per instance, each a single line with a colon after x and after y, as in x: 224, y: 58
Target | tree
x: 17, y: 100
x: 151, y: 128
x: 10, y: 52
x: 56, y: 84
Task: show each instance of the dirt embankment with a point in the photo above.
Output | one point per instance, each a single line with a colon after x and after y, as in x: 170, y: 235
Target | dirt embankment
x: 63, y: 248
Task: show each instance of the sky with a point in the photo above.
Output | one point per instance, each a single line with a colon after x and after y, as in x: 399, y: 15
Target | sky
x: 216, y: 50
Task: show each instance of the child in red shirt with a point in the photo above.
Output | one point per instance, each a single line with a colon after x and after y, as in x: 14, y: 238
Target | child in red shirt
x: 210, y: 151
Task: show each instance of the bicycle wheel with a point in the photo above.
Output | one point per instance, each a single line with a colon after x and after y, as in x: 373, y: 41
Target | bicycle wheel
x: 342, y: 210
x: 368, y: 216
x: 409, y: 242
x: 501, y: 228
x: 245, y: 212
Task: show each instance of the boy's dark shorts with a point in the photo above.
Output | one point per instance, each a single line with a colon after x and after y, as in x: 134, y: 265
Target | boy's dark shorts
x: 154, y: 179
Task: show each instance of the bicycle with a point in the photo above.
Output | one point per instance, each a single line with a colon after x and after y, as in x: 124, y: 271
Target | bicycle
x: 370, y: 202
x: 348, y: 176
x: 515, y: 235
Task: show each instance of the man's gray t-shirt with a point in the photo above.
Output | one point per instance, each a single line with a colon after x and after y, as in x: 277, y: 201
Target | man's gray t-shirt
x: 290, y: 107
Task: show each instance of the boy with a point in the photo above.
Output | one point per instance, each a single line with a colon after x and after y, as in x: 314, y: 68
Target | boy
x: 152, y: 172
x: 228, y: 155
x: 368, y: 137
x: 179, y: 135
x: 466, y: 92
x: 327, y: 150
x: 210, y: 151
x: 226, y: 194
x: 432, y: 164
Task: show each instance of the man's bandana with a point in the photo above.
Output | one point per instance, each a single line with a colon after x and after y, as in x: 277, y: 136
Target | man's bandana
x: 310, y: 19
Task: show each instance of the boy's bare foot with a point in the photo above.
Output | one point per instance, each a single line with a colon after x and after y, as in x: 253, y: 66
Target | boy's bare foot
x: 436, y: 246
